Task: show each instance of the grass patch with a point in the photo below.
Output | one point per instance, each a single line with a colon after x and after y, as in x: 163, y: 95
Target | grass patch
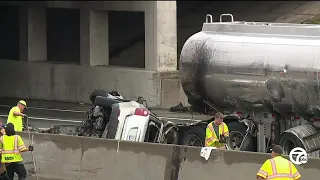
x: 314, y: 20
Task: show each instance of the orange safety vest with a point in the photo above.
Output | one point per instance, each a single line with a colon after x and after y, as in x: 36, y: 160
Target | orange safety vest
x: 277, y: 169
x: 211, y: 136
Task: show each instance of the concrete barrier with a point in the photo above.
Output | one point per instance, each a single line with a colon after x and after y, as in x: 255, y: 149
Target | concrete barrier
x: 80, y: 158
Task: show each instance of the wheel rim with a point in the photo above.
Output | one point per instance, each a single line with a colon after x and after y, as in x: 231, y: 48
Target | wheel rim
x: 235, y: 140
x: 193, y: 140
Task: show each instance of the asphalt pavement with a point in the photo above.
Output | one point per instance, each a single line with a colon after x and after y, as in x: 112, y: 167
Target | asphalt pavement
x: 45, y: 114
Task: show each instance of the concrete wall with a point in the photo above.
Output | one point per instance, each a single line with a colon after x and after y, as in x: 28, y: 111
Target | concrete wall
x: 74, y: 83
x: 67, y: 157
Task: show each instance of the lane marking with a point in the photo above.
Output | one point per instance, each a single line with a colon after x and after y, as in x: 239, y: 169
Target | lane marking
x: 48, y: 109
x: 48, y: 119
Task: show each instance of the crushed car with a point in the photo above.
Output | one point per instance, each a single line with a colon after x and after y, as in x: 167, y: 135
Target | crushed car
x: 114, y: 117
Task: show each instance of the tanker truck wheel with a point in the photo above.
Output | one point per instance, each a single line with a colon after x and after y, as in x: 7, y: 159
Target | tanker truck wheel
x: 288, y: 141
x: 194, y: 136
x: 237, y: 132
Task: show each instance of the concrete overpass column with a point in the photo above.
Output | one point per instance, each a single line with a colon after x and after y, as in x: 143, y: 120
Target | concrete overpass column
x: 94, y: 37
x: 161, y: 36
x: 32, y: 34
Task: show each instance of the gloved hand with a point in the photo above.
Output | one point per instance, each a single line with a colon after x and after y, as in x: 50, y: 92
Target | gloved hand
x: 30, y: 148
x: 222, y: 140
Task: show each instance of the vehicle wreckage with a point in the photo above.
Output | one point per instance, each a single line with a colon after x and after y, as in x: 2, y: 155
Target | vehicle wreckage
x: 113, y: 117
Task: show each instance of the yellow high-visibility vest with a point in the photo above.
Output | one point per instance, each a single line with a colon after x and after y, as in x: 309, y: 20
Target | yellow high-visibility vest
x: 278, y: 168
x: 211, y: 137
x: 15, y: 120
x: 10, y: 147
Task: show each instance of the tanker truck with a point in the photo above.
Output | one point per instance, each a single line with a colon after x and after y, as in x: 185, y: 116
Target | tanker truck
x: 265, y: 78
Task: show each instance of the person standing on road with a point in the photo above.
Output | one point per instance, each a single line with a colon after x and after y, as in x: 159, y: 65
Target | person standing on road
x: 15, y: 115
x: 3, y: 172
x: 216, y: 132
x: 11, y: 146
x: 2, y: 126
x: 278, y: 168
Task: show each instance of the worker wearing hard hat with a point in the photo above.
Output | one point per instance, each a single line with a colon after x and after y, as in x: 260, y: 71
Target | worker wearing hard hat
x: 216, y: 132
x: 16, y: 114
x: 278, y: 167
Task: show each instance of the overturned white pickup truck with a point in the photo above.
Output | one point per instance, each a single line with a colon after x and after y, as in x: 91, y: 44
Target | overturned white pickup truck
x: 113, y: 117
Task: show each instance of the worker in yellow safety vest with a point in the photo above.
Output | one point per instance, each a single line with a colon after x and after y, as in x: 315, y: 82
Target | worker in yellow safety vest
x: 216, y: 132
x: 278, y: 168
x: 3, y: 173
x: 11, y: 146
x: 16, y: 114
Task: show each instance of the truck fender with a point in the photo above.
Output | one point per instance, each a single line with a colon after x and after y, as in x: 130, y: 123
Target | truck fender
x: 299, y: 136
x: 240, y: 135
x: 248, y: 123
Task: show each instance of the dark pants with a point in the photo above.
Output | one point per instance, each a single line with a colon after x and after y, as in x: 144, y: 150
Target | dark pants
x: 18, y: 168
x: 4, y: 176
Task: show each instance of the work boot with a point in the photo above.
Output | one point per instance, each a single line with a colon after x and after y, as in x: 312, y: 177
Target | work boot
x: 4, y: 176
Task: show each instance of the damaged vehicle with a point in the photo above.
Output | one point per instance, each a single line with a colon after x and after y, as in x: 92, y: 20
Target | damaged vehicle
x: 114, y: 117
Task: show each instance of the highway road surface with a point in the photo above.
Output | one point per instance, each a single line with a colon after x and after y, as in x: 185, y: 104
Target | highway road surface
x: 44, y: 114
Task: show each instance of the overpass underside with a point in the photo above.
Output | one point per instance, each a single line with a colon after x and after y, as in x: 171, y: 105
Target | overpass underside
x: 64, y: 50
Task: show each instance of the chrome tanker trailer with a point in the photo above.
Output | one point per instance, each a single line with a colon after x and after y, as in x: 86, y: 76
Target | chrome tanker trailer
x: 264, y: 76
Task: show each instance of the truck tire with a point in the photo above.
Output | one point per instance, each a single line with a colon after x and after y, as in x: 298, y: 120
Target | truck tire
x: 288, y: 141
x: 97, y: 92
x: 237, y: 126
x: 249, y: 143
x: 237, y: 132
x: 194, y: 136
